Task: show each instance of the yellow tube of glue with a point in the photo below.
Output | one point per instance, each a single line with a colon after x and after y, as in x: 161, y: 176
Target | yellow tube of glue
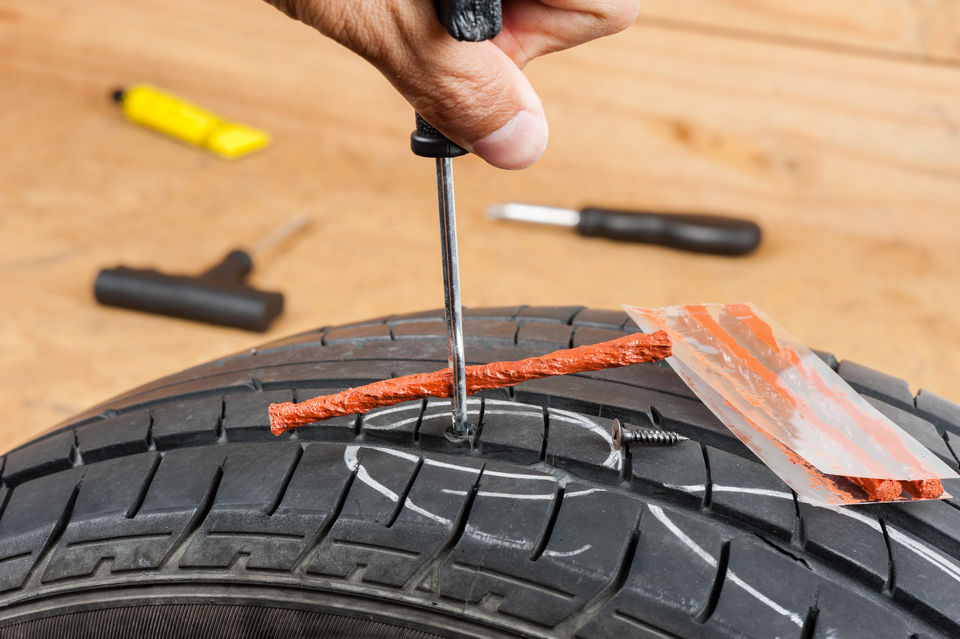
x: 178, y: 118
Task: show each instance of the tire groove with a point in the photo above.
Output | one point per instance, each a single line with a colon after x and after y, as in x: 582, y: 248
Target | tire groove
x: 142, y: 495
x: 810, y: 621
x: 46, y: 551
x: 5, y: 492
x: 546, y: 435
x: 573, y: 317
x: 196, y: 520
x: 713, y: 599
x: 318, y: 537
x: 220, y: 428
x: 151, y: 443
x: 550, y: 523
x: 456, y: 533
x: 799, y: 536
x: 75, y: 455
x: 708, y: 482
x: 587, y: 612
x: 402, y: 497
x: 416, y: 427
x: 946, y: 440
x: 891, y: 583
x: 626, y: 465
x: 656, y: 417
x: 479, y: 430
x: 278, y: 499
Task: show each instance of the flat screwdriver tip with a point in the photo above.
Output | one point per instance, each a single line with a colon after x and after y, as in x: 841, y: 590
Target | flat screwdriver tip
x: 496, y: 212
x: 533, y: 214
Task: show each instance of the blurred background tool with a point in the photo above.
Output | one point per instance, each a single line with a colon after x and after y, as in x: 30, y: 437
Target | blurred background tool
x: 691, y: 232
x: 216, y: 296
x: 167, y: 113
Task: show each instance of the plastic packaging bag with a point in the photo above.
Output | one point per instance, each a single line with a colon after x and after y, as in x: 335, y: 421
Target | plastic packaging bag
x: 791, y: 409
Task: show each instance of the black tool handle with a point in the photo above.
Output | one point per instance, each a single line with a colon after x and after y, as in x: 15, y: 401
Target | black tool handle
x: 428, y: 142
x: 233, y: 268
x: 690, y: 232
x: 201, y: 299
x: 470, y: 20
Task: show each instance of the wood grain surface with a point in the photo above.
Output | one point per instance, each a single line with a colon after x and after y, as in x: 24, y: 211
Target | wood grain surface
x: 848, y: 157
x: 922, y: 29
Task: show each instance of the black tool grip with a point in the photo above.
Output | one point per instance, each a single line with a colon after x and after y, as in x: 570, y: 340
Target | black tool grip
x: 203, y: 299
x: 428, y: 142
x: 233, y: 268
x: 470, y: 20
x: 690, y: 232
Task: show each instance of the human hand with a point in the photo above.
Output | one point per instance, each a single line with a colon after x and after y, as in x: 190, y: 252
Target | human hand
x: 473, y: 92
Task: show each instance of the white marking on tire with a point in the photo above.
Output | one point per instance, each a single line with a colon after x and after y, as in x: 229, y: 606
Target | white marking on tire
x: 707, y: 557
x: 466, y: 469
x: 350, y: 459
x: 931, y: 556
x: 394, y: 409
x: 484, y: 493
x: 569, y: 553
x: 426, y: 513
x: 496, y: 540
x: 392, y: 425
x: 402, y: 422
x: 614, y: 457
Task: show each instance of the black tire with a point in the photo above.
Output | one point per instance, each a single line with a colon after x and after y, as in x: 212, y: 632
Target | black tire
x: 171, y: 511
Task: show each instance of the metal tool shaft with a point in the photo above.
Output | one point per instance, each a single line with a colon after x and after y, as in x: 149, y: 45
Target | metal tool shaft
x: 451, y: 293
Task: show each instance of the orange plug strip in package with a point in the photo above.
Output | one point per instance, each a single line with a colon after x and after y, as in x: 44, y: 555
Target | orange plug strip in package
x: 791, y: 409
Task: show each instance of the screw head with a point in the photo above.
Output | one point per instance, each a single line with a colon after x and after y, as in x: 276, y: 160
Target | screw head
x: 616, y: 432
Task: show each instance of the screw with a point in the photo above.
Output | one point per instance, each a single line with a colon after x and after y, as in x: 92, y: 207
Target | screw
x: 644, y: 437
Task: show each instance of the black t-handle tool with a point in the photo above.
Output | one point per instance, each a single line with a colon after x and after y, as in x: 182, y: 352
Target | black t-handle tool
x: 219, y: 295
x: 474, y: 21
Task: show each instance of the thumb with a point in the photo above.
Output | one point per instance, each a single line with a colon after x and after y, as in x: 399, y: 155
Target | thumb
x: 477, y: 96
x: 472, y: 92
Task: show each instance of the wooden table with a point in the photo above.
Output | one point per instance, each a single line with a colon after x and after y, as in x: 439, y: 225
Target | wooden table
x: 836, y: 125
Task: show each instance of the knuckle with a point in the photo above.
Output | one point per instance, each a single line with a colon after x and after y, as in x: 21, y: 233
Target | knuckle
x: 468, y: 99
x: 618, y: 15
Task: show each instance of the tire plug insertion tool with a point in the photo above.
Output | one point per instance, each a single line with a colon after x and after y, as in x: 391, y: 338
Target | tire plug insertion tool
x: 471, y: 21
x: 466, y: 21
x: 690, y: 232
x: 426, y: 141
x: 216, y: 296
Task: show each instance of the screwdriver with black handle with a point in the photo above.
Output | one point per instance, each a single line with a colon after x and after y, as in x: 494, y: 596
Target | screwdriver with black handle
x: 694, y: 232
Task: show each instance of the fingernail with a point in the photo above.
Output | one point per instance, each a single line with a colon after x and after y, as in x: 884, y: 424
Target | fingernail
x: 517, y: 144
